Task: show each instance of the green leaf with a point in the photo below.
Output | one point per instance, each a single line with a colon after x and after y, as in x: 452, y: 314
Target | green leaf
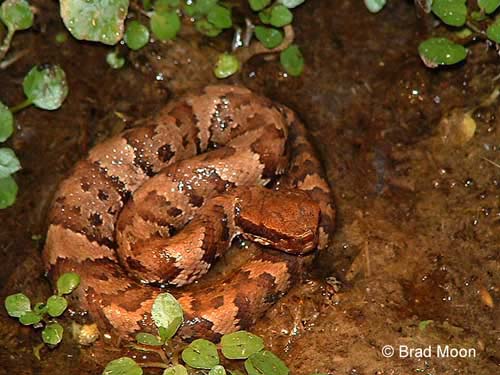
x: 122, y: 366
x: 166, y: 25
x: 451, y: 12
x: 147, y: 4
x: 52, y: 334
x: 167, y: 313
x: 281, y: 16
x: 201, y: 354
x: 9, y: 163
x: 493, y: 31
x: 292, y: 60
x: 17, y: 304
x: 136, y: 36
x: 16, y: 14
x: 95, y: 20
x: 29, y: 318
x: 166, y: 5
x: 257, y: 5
x: 375, y: 6
x: 40, y: 308
x: 199, y: 8
x: 268, y: 36
x: 478, y: 16
x: 265, y: 362
x: 6, y: 122
x: 56, y: 305
x: 227, y: 65
x: 45, y: 86
x: 217, y: 370
x: 114, y: 60
x: 241, y: 345
x: 220, y: 17
x: 207, y: 28
x: 489, y: 6
x: 67, y: 282
x: 8, y: 192
x: 294, y: 3
x: 176, y: 370
x: 265, y: 16
x: 441, y: 51
x: 424, y: 324
x: 148, y: 339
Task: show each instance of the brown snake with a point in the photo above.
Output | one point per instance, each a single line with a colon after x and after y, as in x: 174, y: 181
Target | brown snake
x: 157, y: 204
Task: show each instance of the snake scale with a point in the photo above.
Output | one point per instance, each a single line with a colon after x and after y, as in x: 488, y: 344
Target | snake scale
x: 157, y: 204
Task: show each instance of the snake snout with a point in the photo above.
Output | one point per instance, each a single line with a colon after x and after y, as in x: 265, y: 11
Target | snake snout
x: 286, y: 220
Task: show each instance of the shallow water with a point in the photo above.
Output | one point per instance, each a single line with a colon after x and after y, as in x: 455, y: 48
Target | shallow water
x: 419, y: 215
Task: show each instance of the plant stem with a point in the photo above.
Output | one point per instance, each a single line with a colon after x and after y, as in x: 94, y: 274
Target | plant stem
x: 153, y: 364
x: 4, y: 47
x: 473, y: 27
x: 26, y: 103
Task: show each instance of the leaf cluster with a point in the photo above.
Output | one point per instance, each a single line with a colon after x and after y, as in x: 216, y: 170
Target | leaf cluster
x: 200, y: 354
x: 42, y: 313
x: 45, y: 87
x: 468, y: 22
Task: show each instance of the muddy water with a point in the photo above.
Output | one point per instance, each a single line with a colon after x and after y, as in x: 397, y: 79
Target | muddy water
x: 419, y: 217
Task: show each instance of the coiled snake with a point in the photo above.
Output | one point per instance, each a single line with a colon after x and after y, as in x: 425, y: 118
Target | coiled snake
x: 157, y: 204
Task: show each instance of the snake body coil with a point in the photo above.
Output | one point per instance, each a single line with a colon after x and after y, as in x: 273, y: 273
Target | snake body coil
x: 157, y: 204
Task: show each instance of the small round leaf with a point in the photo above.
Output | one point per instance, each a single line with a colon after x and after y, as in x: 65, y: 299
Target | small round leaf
x: 265, y: 362
x: 9, y: 163
x: 227, y: 65
x: 176, y: 370
x: 207, y: 28
x: 217, y: 370
x: 441, y: 51
x: 375, y: 6
x: 40, y: 308
x: 8, y: 192
x: 167, y: 313
x: 17, y: 304
x: 6, y: 122
x: 281, y: 16
x: 16, y: 14
x: 98, y: 21
x: 241, y: 345
x: 257, y: 5
x: 114, y: 60
x: 489, y: 6
x: 122, y: 366
x: 148, y: 339
x: 201, y: 354
x: 268, y: 36
x: 493, y: 32
x: 136, y: 36
x: 67, y: 282
x: 265, y: 16
x: 56, y: 305
x: 45, y: 86
x: 292, y: 60
x: 29, y: 318
x: 165, y: 25
x: 52, y: 334
x: 220, y: 17
x: 451, y: 12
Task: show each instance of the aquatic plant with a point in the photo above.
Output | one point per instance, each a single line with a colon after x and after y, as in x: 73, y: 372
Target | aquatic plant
x: 42, y: 314
x: 200, y: 354
x: 45, y: 87
x: 104, y: 21
x: 468, y: 22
